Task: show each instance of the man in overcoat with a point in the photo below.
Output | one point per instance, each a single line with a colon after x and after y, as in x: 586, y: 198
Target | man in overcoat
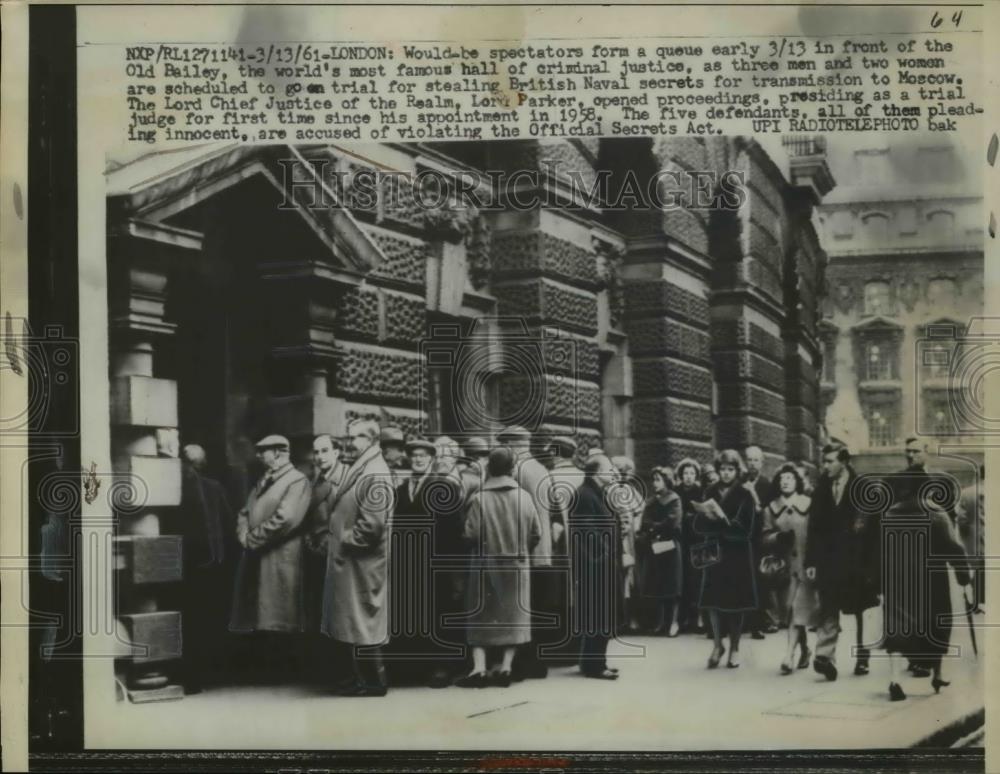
x: 328, y: 474
x: 769, y: 614
x: 915, y: 489
x: 842, y: 558
x: 565, y: 478
x: 408, y: 647
x: 205, y: 521
x: 269, y: 593
x: 533, y: 478
x: 355, y: 605
x: 595, y: 567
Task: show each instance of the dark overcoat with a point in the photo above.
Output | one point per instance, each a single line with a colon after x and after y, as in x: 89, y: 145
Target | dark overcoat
x: 843, y: 544
x: 595, y: 544
x: 659, y: 575
x: 730, y: 584
x: 917, y: 595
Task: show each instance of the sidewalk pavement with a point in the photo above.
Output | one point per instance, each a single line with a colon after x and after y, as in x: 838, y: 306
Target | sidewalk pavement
x: 665, y: 699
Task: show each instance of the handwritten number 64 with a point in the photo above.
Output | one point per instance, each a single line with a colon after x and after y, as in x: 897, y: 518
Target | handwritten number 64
x: 937, y: 21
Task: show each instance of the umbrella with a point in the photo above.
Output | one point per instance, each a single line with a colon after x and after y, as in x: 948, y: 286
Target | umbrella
x: 969, y: 607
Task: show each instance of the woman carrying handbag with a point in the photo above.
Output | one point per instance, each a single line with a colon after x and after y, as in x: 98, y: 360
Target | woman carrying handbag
x: 728, y: 588
x: 785, y: 529
x: 659, y: 552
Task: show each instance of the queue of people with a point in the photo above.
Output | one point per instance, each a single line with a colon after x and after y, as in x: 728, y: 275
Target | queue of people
x: 540, y: 562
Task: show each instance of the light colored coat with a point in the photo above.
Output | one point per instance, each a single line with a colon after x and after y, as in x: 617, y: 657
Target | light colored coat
x: 533, y: 477
x: 269, y: 594
x: 502, y: 527
x: 355, y: 604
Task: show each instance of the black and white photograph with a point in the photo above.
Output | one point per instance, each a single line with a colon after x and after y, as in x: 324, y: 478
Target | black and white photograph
x: 541, y: 426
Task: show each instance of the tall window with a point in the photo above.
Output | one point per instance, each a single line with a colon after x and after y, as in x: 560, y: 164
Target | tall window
x: 830, y: 360
x: 842, y: 224
x: 940, y: 225
x: 880, y: 360
x: 878, y: 298
x: 876, y: 227
x: 938, y: 418
x: 941, y: 292
x: 937, y: 359
x: 883, y: 426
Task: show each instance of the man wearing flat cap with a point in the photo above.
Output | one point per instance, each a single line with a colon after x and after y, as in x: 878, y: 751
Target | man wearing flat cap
x: 269, y: 593
x: 533, y: 478
x: 393, y: 452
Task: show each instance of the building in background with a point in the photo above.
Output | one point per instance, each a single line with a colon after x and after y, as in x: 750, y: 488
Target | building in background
x: 904, y: 234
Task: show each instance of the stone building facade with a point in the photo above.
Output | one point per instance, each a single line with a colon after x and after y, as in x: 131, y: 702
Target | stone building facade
x: 238, y: 308
x: 904, y: 236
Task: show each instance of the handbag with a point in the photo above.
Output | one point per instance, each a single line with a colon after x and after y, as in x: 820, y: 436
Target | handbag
x: 774, y: 568
x: 706, y: 554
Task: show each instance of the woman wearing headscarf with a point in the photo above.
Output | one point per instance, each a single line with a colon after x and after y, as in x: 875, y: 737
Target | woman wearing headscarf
x: 728, y: 587
x: 658, y: 552
x: 785, y: 533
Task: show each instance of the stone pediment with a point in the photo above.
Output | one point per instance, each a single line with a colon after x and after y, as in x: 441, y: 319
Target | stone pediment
x: 169, y: 187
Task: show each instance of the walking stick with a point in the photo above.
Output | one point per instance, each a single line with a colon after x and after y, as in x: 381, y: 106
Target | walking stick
x: 969, y: 607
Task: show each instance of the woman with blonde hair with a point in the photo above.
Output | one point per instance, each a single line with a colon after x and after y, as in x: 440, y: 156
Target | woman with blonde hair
x: 725, y: 521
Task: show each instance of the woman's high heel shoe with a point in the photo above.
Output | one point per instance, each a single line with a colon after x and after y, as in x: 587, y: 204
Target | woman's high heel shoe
x: 734, y: 660
x: 938, y: 684
x: 896, y: 692
x: 804, y: 658
x: 785, y: 668
x: 475, y: 680
x: 716, y: 657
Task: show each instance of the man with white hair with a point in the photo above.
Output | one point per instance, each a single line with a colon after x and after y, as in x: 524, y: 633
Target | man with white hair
x: 355, y: 604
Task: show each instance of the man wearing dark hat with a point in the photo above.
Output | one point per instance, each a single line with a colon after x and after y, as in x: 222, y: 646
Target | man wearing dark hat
x: 269, y: 595
x: 393, y: 452
x: 533, y: 478
x: 565, y: 478
x: 474, y: 473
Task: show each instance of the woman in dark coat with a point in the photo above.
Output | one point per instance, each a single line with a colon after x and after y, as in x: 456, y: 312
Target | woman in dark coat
x: 689, y: 489
x: 658, y: 551
x: 918, y: 625
x: 728, y: 586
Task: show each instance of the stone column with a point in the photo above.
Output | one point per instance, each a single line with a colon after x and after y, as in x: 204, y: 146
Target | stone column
x: 145, y: 455
x: 666, y: 319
